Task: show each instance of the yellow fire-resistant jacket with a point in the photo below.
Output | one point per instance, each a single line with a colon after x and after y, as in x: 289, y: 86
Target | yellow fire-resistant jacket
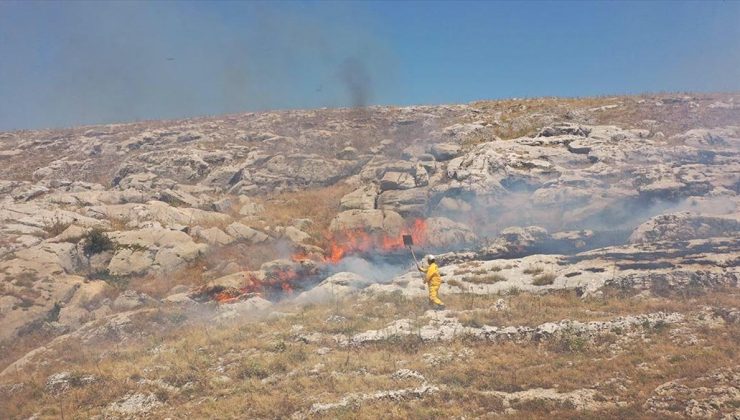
x: 432, y: 274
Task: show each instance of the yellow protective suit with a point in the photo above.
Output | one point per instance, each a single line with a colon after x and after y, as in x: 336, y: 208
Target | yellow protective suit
x: 433, y: 280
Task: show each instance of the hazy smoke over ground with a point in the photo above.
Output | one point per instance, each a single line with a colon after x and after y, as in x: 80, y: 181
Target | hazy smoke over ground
x: 374, y: 271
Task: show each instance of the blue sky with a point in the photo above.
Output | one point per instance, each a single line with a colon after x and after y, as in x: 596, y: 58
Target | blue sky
x: 71, y: 63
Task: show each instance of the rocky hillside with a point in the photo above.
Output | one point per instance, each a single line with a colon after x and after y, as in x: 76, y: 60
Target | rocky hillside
x: 253, y: 265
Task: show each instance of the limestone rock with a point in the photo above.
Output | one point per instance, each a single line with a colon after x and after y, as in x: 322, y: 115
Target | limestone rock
x: 246, y: 233
x: 171, y: 249
x: 334, y: 287
x: 213, y: 236
x: 684, y: 226
x: 410, y: 202
x: 421, y: 176
x: 128, y: 262
x: 362, y: 198
x: 348, y: 153
x: 563, y: 129
x: 380, y: 221
x: 130, y: 300
x: 517, y: 240
x: 442, y: 232
x: 225, y: 204
x: 135, y: 404
x: 178, y: 198
x: 397, y: 181
x: 235, y: 280
x: 445, y: 151
x: 249, y: 207
x: 453, y: 205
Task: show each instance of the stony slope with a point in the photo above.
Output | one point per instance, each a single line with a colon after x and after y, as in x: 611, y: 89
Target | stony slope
x: 119, y: 240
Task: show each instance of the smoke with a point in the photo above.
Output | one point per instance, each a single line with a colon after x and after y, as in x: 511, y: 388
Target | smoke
x: 356, y: 78
x: 610, y: 215
x: 373, y: 271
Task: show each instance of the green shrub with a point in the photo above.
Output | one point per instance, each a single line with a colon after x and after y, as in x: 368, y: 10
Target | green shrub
x: 96, y: 242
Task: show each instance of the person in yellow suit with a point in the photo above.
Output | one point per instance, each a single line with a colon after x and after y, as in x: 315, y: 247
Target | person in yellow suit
x: 433, y: 280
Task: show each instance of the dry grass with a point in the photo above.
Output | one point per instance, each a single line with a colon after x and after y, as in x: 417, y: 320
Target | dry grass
x: 534, y: 270
x: 273, y: 373
x: 544, y: 279
x: 55, y: 227
x: 485, y: 278
x: 319, y: 205
x: 159, y: 286
x: 119, y: 223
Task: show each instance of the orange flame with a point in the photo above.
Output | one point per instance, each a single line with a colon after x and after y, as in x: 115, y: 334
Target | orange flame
x: 340, y: 245
x: 356, y: 241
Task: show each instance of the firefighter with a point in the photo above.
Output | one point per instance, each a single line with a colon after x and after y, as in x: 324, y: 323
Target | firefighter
x: 433, y: 280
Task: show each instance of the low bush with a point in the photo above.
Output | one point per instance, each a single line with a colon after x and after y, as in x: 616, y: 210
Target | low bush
x: 544, y: 279
x: 534, y: 270
x: 486, y: 279
x: 96, y: 242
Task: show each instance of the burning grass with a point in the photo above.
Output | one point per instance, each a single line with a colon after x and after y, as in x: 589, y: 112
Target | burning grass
x: 357, y: 241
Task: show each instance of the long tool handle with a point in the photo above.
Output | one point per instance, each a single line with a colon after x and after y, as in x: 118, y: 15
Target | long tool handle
x: 413, y: 255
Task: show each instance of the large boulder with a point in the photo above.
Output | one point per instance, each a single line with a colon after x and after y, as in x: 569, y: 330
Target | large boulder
x: 293, y: 234
x: 685, y: 226
x: 165, y: 250
x: 371, y: 221
x: 564, y: 129
x: 332, y: 288
x: 127, y: 262
x: 458, y: 133
x: 421, y: 176
x: 397, y: 181
x: 362, y: 198
x: 515, y: 241
x: 90, y: 301
x: 711, y: 138
x: 225, y: 177
x: 442, y: 232
x: 453, y: 205
x: 298, y: 170
x: 180, y: 198
x: 411, y: 202
x: 236, y: 280
x: 246, y: 233
x: 139, y: 215
x: 130, y: 299
x: 498, y: 166
x: 213, y: 236
x: 445, y: 151
x: 249, y: 208
x: 348, y: 153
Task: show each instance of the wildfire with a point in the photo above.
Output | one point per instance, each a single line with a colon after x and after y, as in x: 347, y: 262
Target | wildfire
x: 279, y: 280
x: 358, y: 241
x: 283, y: 278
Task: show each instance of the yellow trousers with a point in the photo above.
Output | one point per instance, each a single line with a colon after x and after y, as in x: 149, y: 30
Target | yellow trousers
x: 433, y: 292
